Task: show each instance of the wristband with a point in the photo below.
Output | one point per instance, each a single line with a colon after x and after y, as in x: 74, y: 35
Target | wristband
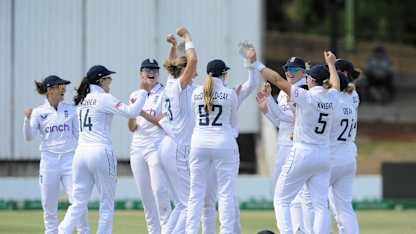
x: 189, y: 45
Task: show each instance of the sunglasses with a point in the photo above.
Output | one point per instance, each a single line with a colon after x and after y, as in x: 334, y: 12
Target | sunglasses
x: 150, y: 70
x: 60, y: 87
x: 293, y: 69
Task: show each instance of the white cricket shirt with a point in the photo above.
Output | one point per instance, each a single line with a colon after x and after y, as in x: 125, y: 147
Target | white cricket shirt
x: 314, y: 114
x: 177, y: 106
x: 58, y: 128
x: 96, y: 111
x: 216, y: 128
x: 147, y: 134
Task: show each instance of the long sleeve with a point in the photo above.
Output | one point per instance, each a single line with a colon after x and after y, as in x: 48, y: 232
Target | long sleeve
x: 29, y: 128
x: 75, y: 127
x: 249, y: 85
x: 113, y: 105
x: 234, y: 114
x: 283, y: 115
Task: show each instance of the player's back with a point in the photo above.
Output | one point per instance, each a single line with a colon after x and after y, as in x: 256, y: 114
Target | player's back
x: 95, y: 118
x: 215, y: 129
x: 177, y: 106
x: 344, y: 128
x: 314, y: 114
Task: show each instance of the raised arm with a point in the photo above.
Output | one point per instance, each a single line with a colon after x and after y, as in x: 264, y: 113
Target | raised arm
x: 30, y: 125
x: 249, y: 85
x: 172, y: 40
x: 267, y: 73
x: 333, y: 74
x: 191, y: 58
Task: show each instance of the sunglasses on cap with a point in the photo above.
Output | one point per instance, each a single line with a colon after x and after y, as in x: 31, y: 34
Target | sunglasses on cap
x: 60, y: 87
x: 293, y: 69
x: 150, y: 70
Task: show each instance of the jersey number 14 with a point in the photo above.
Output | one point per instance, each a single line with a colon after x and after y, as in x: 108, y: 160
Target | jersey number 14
x: 84, y: 121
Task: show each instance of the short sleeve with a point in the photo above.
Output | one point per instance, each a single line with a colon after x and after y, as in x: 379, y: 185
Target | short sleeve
x: 299, y: 95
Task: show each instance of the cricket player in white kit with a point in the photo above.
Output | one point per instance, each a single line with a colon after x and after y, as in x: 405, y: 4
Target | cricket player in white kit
x: 213, y: 144
x: 282, y: 115
x: 94, y: 160
x: 178, y: 122
x: 57, y: 124
x: 343, y: 159
x: 144, y: 157
x: 309, y: 161
x: 209, y: 210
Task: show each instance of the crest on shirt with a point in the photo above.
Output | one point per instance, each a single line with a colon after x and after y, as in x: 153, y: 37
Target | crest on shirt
x: 132, y: 100
x: 117, y: 105
x: 66, y: 114
x: 44, y: 116
x: 297, y: 92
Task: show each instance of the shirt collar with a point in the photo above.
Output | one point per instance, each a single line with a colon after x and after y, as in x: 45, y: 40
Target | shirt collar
x: 48, y: 105
x: 317, y: 89
x: 300, y: 82
x: 96, y: 89
x: 156, y: 88
x: 218, y: 81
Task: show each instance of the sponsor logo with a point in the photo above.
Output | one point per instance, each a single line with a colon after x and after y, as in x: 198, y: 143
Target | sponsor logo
x: 57, y: 128
x: 66, y: 114
x: 44, y: 116
x: 117, y: 105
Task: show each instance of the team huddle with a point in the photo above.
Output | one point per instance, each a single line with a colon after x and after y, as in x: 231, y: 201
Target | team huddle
x: 184, y: 149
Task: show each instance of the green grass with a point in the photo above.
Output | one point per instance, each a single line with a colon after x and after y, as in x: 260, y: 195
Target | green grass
x: 125, y: 222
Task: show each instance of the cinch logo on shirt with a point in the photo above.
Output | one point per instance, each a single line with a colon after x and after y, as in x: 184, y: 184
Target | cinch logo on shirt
x: 57, y: 128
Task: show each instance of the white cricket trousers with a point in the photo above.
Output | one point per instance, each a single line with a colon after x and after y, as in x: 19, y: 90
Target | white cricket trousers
x: 175, y: 164
x: 225, y: 162
x: 340, y: 190
x: 56, y: 169
x: 301, y: 208
x: 93, y: 164
x: 153, y: 189
x: 209, y: 213
x: 306, y: 165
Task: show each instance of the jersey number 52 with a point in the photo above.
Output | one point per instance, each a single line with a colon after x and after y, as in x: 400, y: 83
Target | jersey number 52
x: 204, y: 116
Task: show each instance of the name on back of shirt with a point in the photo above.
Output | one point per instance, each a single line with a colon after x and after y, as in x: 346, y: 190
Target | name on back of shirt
x: 216, y: 96
x: 324, y: 105
x: 89, y: 102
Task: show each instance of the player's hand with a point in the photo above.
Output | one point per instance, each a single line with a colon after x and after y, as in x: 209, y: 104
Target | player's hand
x: 248, y: 51
x: 330, y: 57
x: 182, y: 31
x: 28, y: 112
x: 262, y: 102
x: 171, y: 39
x: 266, y: 90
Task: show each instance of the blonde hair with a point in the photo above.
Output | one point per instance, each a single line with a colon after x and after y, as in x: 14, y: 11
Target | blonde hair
x: 350, y: 88
x: 326, y: 84
x: 175, y: 66
x: 208, y: 93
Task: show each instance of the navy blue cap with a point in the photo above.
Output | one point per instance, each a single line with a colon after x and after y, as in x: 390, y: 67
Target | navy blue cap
x: 294, y: 62
x: 343, y: 81
x: 319, y: 73
x: 344, y: 65
x: 53, y: 80
x: 265, y: 232
x: 97, y: 72
x: 217, y: 67
x: 149, y: 63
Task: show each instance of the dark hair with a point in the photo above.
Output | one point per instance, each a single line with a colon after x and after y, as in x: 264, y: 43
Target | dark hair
x: 82, y: 91
x: 41, y: 87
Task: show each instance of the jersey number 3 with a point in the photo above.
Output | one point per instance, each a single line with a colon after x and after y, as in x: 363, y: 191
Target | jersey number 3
x: 83, y: 121
x: 204, y: 116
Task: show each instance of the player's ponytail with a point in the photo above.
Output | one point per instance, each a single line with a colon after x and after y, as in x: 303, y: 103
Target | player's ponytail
x: 350, y: 88
x: 326, y: 84
x: 175, y: 66
x: 82, y: 91
x: 41, y: 87
x: 208, y: 93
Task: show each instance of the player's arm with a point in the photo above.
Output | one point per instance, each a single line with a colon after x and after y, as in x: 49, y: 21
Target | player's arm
x: 249, y: 85
x: 172, y: 51
x: 75, y: 126
x: 30, y: 124
x: 267, y: 73
x: 191, y: 58
x: 132, y: 125
x: 333, y: 74
x: 152, y: 119
x: 234, y: 110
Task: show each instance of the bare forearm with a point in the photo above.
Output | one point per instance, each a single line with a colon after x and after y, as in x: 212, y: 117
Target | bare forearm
x: 150, y: 118
x: 132, y: 124
x: 276, y: 79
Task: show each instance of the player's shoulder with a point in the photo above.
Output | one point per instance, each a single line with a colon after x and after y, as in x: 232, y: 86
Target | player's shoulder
x: 69, y: 106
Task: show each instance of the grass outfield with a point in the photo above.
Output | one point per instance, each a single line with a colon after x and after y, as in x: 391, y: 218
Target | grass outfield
x: 371, y: 222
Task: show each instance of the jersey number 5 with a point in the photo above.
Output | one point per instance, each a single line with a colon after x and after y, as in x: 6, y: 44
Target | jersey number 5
x: 83, y: 122
x: 321, y: 121
x: 204, y: 116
